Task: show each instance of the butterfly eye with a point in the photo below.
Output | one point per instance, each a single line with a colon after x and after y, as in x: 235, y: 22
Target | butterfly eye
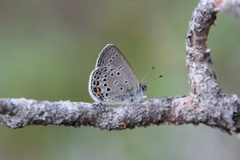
x: 126, y: 82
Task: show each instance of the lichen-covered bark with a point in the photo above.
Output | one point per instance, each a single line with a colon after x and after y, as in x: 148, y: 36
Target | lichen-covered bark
x: 205, y: 90
x: 18, y: 113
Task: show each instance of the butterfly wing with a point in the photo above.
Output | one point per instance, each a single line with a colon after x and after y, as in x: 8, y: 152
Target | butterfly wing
x: 113, y: 80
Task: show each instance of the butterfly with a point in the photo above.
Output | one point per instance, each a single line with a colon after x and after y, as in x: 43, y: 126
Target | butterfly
x: 113, y: 80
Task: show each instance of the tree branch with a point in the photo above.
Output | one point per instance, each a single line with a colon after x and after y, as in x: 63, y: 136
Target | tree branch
x: 18, y: 113
x: 206, y: 104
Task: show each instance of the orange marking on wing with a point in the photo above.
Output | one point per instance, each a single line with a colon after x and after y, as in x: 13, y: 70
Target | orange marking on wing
x: 97, y: 90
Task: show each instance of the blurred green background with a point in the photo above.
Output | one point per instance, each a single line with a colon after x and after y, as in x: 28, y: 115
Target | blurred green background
x: 48, y: 49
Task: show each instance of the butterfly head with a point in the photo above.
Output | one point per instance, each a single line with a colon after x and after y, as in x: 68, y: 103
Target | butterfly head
x: 143, y: 87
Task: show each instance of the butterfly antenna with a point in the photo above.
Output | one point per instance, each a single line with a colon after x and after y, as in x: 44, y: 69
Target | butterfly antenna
x: 150, y: 80
x: 149, y: 71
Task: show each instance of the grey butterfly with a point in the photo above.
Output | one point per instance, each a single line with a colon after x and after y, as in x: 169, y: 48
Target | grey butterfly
x: 113, y: 80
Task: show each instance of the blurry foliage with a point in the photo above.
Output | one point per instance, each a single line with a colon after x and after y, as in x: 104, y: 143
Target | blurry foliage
x: 49, y: 48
